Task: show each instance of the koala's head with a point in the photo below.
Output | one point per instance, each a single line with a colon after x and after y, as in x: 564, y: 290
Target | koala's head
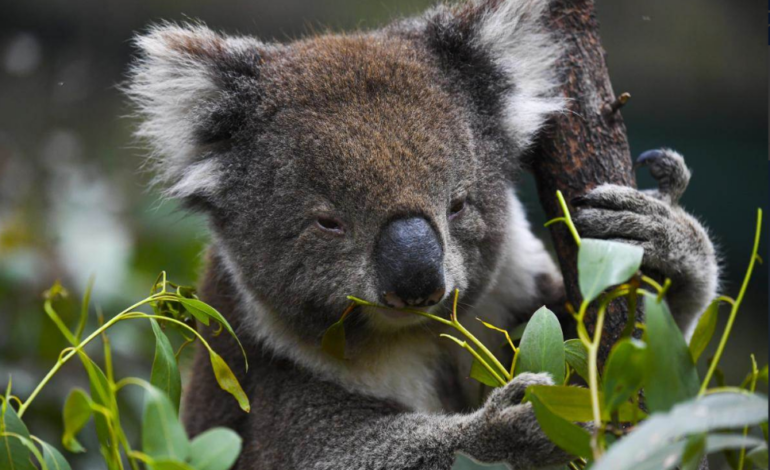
x: 371, y: 164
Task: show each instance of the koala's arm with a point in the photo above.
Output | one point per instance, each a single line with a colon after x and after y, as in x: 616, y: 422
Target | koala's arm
x: 675, y: 244
x: 323, y: 427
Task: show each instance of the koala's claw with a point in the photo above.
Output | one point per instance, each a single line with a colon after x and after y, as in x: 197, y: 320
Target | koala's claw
x: 669, y: 170
x: 512, y: 393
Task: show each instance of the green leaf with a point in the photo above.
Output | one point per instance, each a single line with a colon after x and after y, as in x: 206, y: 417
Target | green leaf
x: 77, y: 412
x: 568, y: 436
x: 201, y: 310
x: 14, y: 454
x: 704, y: 330
x: 170, y: 464
x: 654, y: 441
x: 758, y: 455
x: 226, y: 379
x: 165, y: 372
x: 576, y: 355
x: 671, y: 376
x: 53, y: 459
x: 518, y: 332
x: 624, y: 372
x: 604, y: 263
x: 480, y: 373
x: 216, y: 449
x: 102, y: 395
x: 333, y: 341
x: 542, y: 346
x: 163, y: 436
x: 694, y: 451
x: 574, y: 403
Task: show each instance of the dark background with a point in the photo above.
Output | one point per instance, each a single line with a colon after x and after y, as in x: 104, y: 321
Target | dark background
x: 73, y: 202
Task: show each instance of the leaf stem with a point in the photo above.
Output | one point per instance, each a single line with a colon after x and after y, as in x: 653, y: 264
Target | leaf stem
x: 735, y: 306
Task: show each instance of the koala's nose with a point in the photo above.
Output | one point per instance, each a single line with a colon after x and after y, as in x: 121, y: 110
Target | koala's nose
x: 410, y: 263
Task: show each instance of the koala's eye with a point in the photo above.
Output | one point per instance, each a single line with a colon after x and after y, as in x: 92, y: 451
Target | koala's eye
x: 457, y: 208
x: 328, y: 224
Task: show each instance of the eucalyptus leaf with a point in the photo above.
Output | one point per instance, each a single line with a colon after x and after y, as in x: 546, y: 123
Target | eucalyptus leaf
x: 604, y: 263
x: 227, y: 380
x: 576, y: 355
x: 624, y: 372
x: 102, y: 395
x: 53, y: 459
x: 574, y: 404
x: 704, y: 330
x: 216, y: 449
x: 694, y: 451
x: 201, y: 310
x: 659, y: 438
x: 170, y: 464
x: 163, y: 436
x: 14, y: 454
x: 758, y: 455
x: 671, y: 376
x: 77, y: 412
x: 480, y: 373
x: 165, y: 372
x: 542, y: 346
x: 568, y: 436
x: 333, y: 341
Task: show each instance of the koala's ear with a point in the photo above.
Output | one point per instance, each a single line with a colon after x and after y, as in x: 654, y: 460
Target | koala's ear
x: 505, y: 58
x: 186, y: 86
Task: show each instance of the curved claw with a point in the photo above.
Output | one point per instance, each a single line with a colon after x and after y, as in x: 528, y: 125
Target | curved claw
x: 649, y: 157
x: 669, y: 170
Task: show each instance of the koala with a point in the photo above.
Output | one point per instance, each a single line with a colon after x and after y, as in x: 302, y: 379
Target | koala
x: 381, y: 164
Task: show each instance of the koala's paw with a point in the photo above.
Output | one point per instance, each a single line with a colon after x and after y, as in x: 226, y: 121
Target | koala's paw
x: 675, y: 244
x: 505, y: 430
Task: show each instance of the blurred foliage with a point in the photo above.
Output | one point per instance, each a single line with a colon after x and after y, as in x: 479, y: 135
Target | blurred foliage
x: 74, y: 203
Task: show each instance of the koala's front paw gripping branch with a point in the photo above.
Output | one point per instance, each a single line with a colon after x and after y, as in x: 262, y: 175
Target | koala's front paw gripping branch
x: 662, y: 363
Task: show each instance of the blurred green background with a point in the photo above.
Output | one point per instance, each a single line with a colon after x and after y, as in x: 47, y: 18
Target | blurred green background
x: 74, y: 203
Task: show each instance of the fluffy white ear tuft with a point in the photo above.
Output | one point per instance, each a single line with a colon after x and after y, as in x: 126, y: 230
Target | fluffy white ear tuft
x: 514, y: 34
x: 173, y: 83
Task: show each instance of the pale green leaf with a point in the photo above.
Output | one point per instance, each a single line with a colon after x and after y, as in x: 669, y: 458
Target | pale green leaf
x: 671, y: 376
x: 542, y: 346
x: 77, y: 412
x: 576, y: 355
x: 480, y: 373
x: 53, y: 459
x: 216, y: 449
x: 165, y: 372
x: 704, y: 330
x: 163, y: 436
x: 604, y: 263
x: 624, y: 372
x: 658, y: 439
x: 568, y: 436
x: 14, y: 454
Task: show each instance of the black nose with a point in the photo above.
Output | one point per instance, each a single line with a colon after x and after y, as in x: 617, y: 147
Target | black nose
x: 410, y: 263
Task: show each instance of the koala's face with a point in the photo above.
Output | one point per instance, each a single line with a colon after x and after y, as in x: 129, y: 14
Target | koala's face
x: 375, y: 165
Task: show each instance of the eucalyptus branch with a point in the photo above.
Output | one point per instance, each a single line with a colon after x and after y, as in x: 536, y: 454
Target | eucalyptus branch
x: 735, y: 305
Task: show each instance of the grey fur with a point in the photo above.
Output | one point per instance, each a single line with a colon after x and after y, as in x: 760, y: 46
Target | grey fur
x: 363, y: 128
x: 675, y: 244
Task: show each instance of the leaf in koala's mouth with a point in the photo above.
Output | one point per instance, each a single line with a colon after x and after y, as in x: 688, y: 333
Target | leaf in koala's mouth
x: 333, y: 341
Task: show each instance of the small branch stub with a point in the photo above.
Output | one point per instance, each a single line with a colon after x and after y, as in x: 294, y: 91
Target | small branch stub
x: 620, y: 101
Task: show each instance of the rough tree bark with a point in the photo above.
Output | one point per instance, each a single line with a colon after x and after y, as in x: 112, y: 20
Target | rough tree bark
x: 587, y: 145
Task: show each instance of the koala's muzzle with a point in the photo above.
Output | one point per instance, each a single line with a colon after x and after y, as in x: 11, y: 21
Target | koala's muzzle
x: 410, y: 263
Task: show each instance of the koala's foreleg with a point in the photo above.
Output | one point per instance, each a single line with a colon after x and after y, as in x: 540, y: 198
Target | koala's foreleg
x: 503, y: 430
x: 675, y: 244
